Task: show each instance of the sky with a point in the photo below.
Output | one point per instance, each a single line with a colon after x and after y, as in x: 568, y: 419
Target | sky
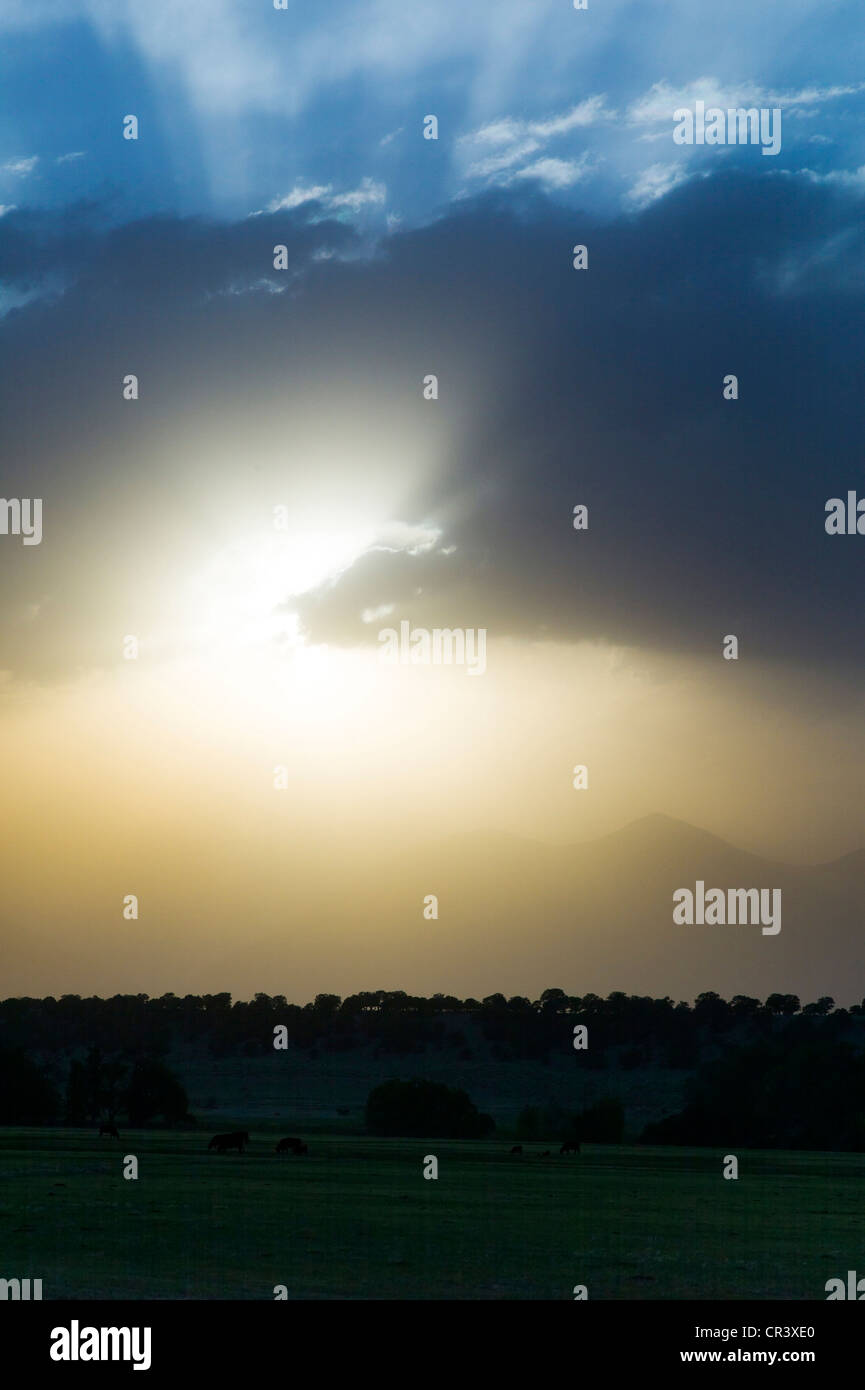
x: 281, y: 490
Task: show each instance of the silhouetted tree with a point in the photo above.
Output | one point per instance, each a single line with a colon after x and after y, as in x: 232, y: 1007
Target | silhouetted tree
x: 424, y: 1109
x: 154, y: 1092
x: 823, y: 1006
x: 799, y: 1093
x: 785, y: 1004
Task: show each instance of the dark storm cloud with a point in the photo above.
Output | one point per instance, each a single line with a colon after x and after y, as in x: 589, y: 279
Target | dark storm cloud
x: 181, y: 302
x: 706, y: 516
x: 558, y: 387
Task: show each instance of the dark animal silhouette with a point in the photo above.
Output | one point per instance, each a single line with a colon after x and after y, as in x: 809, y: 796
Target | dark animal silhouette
x: 517, y: 1149
x: 110, y: 1130
x: 291, y: 1145
x: 570, y: 1146
x: 223, y: 1142
x: 545, y: 1154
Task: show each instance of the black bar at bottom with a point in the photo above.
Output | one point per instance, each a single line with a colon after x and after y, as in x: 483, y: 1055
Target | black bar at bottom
x: 401, y: 1338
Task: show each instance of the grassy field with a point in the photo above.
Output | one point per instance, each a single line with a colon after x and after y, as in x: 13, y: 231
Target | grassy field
x: 356, y: 1219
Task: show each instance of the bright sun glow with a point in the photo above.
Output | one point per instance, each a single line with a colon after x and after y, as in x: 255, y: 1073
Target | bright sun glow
x: 243, y: 598
x: 244, y: 649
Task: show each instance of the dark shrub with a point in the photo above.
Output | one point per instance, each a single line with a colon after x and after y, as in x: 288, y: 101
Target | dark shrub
x: 424, y: 1109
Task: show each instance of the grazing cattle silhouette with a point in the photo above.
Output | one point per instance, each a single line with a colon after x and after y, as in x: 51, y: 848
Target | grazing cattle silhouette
x: 223, y: 1142
x: 291, y: 1145
x: 517, y: 1149
x: 570, y: 1146
x: 110, y: 1130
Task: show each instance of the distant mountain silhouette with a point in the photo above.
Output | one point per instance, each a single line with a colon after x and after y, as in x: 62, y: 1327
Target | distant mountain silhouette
x: 600, y: 916
x: 517, y: 916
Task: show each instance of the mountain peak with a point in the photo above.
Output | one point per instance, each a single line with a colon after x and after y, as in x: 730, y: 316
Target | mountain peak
x: 658, y: 825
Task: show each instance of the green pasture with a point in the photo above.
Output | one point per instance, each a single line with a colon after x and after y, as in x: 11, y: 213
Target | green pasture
x: 356, y: 1219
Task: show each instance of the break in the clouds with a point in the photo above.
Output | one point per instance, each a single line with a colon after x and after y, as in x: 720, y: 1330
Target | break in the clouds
x: 239, y: 106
